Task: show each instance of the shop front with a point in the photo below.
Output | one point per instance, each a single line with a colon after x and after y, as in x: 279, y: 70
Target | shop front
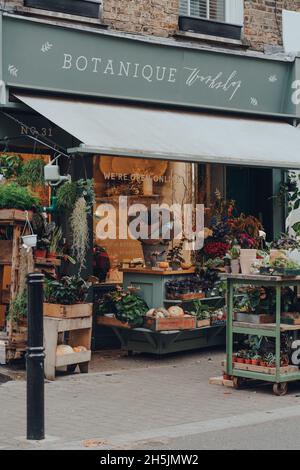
x: 151, y: 123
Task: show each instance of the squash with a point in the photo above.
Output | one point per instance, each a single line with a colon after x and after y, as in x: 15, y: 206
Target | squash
x: 79, y: 349
x: 175, y: 311
x: 63, y: 349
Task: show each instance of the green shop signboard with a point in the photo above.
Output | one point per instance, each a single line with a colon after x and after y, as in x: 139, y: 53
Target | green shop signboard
x: 45, y: 57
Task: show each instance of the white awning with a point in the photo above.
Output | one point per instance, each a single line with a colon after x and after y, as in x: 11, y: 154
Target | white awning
x: 125, y: 130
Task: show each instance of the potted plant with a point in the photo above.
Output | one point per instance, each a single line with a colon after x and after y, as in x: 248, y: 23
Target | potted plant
x: 202, y: 314
x: 175, y: 257
x: 255, y: 361
x: 128, y: 308
x: 15, y: 200
x: 66, y: 297
x: 271, y: 360
x: 55, y: 239
x: 44, y: 231
x: 234, y: 256
x: 248, y: 358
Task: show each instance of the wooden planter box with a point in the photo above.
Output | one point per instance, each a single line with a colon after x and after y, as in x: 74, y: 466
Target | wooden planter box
x: 203, y: 323
x: 266, y: 370
x: 290, y: 318
x: 14, y: 215
x: 187, y: 322
x: 190, y: 296
x: 111, y: 320
x: 72, y: 358
x: 256, y: 319
x: 6, y: 251
x: 68, y: 311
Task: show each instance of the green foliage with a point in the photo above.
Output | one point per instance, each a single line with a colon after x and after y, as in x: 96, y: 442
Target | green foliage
x: 14, y: 196
x: 68, y: 290
x: 10, y: 165
x: 55, y: 239
x: 32, y: 173
x: 80, y: 232
x: 69, y: 192
x: 127, y: 307
x: 66, y: 195
x: 202, y: 312
x: 18, y: 307
x: 85, y: 188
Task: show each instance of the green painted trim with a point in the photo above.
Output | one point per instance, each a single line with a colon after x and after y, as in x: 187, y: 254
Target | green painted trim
x: 254, y: 331
x: 278, y: 209
x: 82, y: 63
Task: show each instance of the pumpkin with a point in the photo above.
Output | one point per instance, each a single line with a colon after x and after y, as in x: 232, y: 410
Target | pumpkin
x: 63, y: 349
x: 79, y: 349
x: 176, y: 311
x: 163, y: 265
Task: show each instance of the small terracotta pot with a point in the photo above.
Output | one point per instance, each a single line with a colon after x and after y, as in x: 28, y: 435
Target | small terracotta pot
x: 52, y: 255
x: 263, y: 364
x: 234, y: 359
x: 248, y: 361
x: 240, y: 360
x: 40, y: 253
x: 255, y: 362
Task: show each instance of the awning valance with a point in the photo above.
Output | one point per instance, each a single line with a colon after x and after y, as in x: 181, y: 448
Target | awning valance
x: 127, y: 130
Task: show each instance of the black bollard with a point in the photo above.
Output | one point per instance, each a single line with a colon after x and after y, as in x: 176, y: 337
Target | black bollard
x: 35, y: 359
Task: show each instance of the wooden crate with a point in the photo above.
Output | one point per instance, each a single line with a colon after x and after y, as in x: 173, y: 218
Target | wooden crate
x: 12, y: 215
x: 290, y: 318
x: 6, y: 251
x: 73, y: 358
x: 187, y: 322
x: 68, y: 311
x: 190, y: 296
x: 111, y: 320
x: 257, y: 319
x: 265, y: 370
x: 203, y: 323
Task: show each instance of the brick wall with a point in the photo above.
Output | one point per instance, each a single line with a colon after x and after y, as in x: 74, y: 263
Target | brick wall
x: 152, y: 17
x: 263, y: 21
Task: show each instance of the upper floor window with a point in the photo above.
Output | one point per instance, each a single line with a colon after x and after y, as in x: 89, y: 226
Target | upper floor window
x: 206, y: 9
x: 86, y: 8
x: 221, y: 18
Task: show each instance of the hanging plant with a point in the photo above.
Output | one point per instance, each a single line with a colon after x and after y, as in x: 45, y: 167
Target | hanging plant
x: 66, y: 195
x: 80, y: 231
x: 32, y: 173
x: 85, y: 188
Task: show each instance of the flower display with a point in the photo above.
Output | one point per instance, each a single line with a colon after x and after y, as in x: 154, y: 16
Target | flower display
x: 216, y: 249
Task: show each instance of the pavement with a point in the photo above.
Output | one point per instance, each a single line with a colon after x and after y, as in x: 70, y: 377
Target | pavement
x: 146, y: 403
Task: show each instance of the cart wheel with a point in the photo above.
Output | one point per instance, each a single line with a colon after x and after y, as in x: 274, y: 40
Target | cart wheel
x: 237, y: 382
x: 280, y: 389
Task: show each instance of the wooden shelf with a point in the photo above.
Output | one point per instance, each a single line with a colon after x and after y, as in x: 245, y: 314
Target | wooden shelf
x: 158, y: 272
x: 73, y: 358
x: 265, y: 326
x: 47, y: 261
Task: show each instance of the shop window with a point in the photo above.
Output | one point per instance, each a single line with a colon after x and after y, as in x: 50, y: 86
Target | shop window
x: 86, y: 8
x: 222, y: 18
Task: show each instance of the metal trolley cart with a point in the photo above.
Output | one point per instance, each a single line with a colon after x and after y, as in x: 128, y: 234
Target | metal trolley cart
x: 279, y: 376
